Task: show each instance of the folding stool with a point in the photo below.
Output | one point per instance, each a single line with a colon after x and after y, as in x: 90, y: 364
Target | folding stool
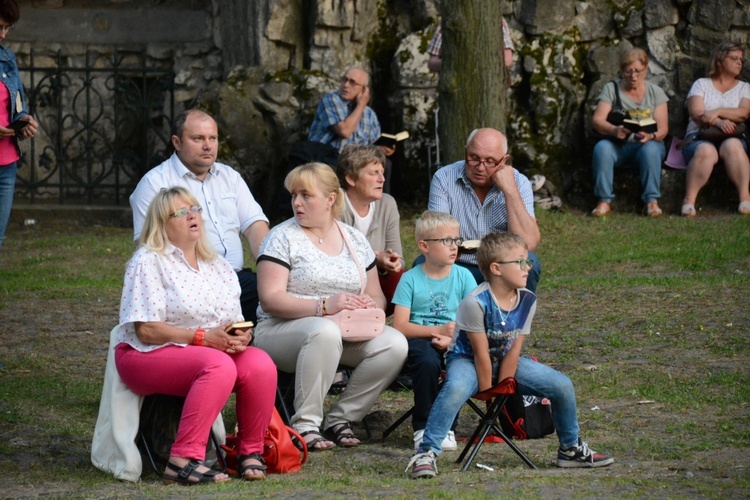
x: 149, y: 447
x: 496, y: 398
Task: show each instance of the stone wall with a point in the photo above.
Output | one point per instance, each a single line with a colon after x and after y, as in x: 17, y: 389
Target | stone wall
x: 566, y: 51
x: 262, y: 65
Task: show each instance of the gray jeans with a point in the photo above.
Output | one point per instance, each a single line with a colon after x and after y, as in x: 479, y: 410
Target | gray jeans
x: 312, y: 349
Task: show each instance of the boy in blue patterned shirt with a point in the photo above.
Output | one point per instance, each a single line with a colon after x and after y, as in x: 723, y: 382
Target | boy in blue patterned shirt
x: 492, y: 322
x: 426, y: 300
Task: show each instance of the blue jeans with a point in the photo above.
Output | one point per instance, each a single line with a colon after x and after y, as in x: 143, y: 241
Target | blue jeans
x: 532, y: 281
x: 7, y: 186
x: 532, y: 378
x: 647, y: 157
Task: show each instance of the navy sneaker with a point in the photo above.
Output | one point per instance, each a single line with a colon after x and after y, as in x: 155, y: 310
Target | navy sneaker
x: 581, y: 456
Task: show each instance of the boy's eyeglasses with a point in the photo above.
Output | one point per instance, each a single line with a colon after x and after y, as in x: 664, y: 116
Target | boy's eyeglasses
x: 523, y: 264
x: 449, y: 242
x: 184, y: 211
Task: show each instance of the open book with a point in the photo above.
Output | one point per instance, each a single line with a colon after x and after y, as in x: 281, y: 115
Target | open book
x: 390, y: 140
x: 646, y: 125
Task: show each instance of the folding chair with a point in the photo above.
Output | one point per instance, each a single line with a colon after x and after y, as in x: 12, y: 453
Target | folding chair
x: 149, y: 444
x: 408, y: 413
x: 496, y: 398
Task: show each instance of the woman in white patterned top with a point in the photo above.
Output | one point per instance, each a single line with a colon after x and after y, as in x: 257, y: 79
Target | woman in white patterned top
x: 177, y: 300
x: 721, y: 100
x: 305, y: 272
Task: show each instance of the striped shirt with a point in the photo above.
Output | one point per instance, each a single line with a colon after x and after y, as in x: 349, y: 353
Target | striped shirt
x: 435, y: 47
x: 451, y: 192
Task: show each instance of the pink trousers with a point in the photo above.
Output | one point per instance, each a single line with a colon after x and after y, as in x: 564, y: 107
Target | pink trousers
x: 205, y: 377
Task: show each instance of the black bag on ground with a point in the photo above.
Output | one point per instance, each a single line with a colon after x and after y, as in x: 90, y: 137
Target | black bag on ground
x: 524, y: 417
x: 527, y: 417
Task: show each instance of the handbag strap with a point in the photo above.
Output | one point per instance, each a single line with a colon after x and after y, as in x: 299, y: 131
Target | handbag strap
x: 618, y: 102
x: 354, y: 255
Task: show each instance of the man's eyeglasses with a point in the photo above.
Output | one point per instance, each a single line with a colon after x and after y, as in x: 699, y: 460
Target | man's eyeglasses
x: 449, y: 242
x: 5, y: 29
x: 351, y: 82
x: 632, y: 72
x: 488, y: 163
x: 523, y: 264
x: 184, y: 211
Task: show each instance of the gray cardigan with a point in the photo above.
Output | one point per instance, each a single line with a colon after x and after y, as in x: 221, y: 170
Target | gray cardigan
x: 384, y: 232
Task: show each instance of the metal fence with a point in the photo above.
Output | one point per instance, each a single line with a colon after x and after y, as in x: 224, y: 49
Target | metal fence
x: 104, y: 121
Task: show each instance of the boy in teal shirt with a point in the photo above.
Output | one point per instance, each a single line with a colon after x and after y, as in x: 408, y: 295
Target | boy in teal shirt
x: 426, y: 302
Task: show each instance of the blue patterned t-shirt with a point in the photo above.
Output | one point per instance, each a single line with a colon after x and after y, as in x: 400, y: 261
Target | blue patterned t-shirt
x: 479, y: 312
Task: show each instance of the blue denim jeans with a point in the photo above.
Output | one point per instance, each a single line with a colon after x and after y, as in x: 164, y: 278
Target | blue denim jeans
x: 647, y: 157
x: 7, y: 185
x: 533, y: 378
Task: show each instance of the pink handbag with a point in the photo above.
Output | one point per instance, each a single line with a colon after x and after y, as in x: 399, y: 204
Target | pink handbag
x: 358, y: 325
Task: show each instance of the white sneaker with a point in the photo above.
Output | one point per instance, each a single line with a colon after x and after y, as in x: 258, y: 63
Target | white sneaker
x: 449, y: 443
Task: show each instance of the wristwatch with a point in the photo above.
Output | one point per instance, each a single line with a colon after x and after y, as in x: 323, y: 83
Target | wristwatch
x: 200, y: 333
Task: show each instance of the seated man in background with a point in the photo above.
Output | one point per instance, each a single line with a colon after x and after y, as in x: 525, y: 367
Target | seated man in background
x: 343, y: 117
x: 229, y: 208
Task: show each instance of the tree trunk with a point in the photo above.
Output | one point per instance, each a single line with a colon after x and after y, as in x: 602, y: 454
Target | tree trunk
x: 473, y: 78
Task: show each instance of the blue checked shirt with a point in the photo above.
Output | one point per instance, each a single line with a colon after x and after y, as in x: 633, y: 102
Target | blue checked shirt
x: 333, y: 109
x: 451, y: 192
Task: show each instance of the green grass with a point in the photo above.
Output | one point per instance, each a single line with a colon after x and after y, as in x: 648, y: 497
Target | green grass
x: 649, y: 318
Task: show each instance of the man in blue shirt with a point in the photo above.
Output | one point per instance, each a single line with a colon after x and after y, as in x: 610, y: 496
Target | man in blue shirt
x: 486, y: 195
x: 343, y: 117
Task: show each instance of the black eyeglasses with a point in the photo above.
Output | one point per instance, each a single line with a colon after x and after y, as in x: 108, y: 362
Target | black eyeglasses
x: 449, y: 242
x: 184, y: 211
x: 523, y: 264
x: 487, y: 163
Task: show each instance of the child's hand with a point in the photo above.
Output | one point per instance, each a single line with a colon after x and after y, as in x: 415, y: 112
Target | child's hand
x: 446, y: 330
x: 440, y: 341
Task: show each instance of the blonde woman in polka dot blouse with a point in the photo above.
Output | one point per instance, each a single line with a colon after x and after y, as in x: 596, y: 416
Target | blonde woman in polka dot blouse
x: 177, y: 300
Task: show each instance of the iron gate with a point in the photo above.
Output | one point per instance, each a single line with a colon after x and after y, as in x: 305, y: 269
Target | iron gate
x: 104, y: 121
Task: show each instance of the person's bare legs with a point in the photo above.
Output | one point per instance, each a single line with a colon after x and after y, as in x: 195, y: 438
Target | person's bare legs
x: 699, y: 170
x: 737, y: 165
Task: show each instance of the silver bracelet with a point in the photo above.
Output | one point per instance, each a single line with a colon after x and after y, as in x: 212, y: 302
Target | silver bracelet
x: 319, y: 308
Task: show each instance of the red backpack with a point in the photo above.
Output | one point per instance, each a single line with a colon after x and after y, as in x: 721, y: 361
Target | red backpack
x: 284, y: 450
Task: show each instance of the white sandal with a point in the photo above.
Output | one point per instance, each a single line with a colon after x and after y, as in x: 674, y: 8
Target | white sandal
x: 688, y: 210
x: 744, y: 208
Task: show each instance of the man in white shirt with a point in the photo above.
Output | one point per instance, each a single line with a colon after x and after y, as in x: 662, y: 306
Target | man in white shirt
x: 229, y: 208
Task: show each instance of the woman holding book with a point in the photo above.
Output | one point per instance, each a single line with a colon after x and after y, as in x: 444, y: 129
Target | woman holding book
x: 15, y: 121
x: 373, y: 212
x: 720, y: 100
x: 637, y: 141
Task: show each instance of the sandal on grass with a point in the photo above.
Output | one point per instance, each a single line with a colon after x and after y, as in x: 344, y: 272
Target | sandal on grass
x: 339, y: 432
x: 312, y: 445
x: 190, y: 470
x: 244, y: 469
